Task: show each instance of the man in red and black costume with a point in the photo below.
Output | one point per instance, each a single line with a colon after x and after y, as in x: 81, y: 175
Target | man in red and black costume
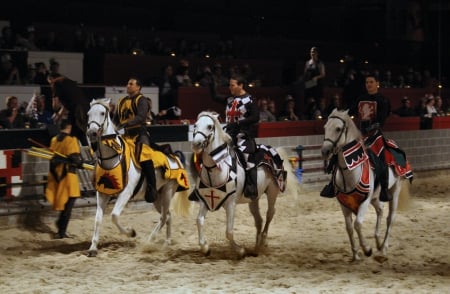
x: 371, y: 110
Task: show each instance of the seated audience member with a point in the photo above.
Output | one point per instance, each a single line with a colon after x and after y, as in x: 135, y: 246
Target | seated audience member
x: 405, y: 110
x: 171, y: 113
x: 37, y: 112
x: 312, y: 111
x: 336, y: 102
x: 272, y: 107
x: 9, y: 72
x: 288, y: 112
x: 438, y: 105
x: 264, y: 114
x: 10, y: 117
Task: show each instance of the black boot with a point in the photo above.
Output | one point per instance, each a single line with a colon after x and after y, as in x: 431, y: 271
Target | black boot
x: 149, y: 171
x: 194, y: 195
x: 383, y: 175
x: 385, y: 196
x: 251, y: 189
x: 64, y: 218
x: 328, y: 190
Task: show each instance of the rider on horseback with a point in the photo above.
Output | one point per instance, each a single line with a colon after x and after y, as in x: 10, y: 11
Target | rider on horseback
x: 132, y: 115
x: 371, y: 109
x: 242, y: 116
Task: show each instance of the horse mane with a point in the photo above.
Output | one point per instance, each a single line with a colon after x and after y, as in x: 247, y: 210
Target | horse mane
x: 215, y: 117
x: 103, y: 101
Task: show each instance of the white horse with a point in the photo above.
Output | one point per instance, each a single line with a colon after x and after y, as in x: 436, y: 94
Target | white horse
x: 221, y: 182
x: 354, y: 181
x: 111, y: 153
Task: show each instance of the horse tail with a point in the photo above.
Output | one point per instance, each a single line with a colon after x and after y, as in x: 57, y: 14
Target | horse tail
x: 404, y: 200
x: 292, y: 185
x: 180, y: 203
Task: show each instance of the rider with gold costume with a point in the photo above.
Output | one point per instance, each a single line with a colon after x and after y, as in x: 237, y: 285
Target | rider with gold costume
x: 132, y: 114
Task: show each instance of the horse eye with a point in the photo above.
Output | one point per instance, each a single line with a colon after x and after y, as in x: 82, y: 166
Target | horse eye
x: 103, y: 113
x: 338, y: 130
x: 210, y: 127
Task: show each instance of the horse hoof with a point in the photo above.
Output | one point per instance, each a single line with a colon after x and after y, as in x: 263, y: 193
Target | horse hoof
x: 91, y: 253
x: 368, y: 253
x: 133, y: 233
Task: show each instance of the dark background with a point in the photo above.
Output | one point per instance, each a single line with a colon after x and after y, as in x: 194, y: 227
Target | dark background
x: 385, y: 25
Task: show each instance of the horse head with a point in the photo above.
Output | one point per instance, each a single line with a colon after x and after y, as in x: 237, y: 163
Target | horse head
x: 208, y: 132
x: 99, y: 122
x: 339, y: 130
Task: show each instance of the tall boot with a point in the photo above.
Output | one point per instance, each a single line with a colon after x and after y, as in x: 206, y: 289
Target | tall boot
x: 251, y: 188
x: 385, y: 196
x: 149, y: 171
x: 64, y: 218
x: 328, y: 190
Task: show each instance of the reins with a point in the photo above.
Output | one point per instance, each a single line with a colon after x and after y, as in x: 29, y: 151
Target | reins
x: 344, y: 129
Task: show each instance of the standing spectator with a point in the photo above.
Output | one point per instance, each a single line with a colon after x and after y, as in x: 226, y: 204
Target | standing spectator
x: 11, y: 117
x: 405, y: 110
x: 67, y: 94
x: 264, y: 114
x: 63, y: 185
x: 314, y: 74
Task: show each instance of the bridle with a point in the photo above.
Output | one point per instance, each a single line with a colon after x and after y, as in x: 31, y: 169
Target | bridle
x: 100, y: 125
x: 208, y: 138
x: 344, y: 131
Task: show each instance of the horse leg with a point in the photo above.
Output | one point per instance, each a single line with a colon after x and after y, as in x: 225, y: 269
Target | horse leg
x: 359, y: 228
x: 122, y: 200
x: 391, y: 216
x: 271, y: 195
x: 378, y: 205
x: 162, y: 205
x: 254, y: 209
x: 349, y: 226
x: 102, y: 201
x: 204, y: 246
x: 230, y: 207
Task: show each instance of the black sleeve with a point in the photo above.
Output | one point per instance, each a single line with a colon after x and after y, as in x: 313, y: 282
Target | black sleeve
x: 76, y: 160
x: 141, y: 116
x: 253, y: 118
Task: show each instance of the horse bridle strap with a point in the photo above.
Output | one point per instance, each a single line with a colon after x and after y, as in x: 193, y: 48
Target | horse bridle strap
x: 341, y: 133
x: 100, y: 126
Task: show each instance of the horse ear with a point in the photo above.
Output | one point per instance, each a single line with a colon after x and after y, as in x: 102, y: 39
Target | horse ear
x: 346, y: 111
x: 108, y: 101
x: 92, y: 102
